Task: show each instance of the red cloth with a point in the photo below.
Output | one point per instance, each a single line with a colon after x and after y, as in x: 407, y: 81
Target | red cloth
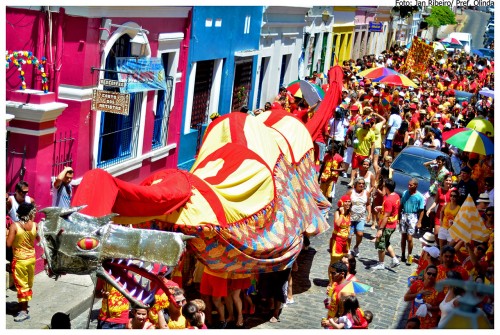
x: 327, y: 107
x: 391, y: 205
x: 161, y: 193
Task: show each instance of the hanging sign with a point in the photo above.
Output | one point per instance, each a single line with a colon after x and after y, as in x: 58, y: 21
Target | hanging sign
x: 375, y: 27
x: 141, y: 74
x: 111, y: 102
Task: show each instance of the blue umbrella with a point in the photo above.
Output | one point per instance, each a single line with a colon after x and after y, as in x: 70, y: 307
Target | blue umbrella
x: 487, y: 92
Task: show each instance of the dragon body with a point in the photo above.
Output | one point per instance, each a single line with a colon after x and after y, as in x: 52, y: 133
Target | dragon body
x: 244, y: 207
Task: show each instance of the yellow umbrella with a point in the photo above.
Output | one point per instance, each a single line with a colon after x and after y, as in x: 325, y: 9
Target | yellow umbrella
x: 481, y: 125
x: 468, y: 224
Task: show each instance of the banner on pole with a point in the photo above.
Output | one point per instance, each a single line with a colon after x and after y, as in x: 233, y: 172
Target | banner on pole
x: 418, y: 57
x: 142, y: 74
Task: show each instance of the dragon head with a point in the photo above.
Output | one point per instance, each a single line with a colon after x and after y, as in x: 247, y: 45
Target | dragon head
x: 129, y: 259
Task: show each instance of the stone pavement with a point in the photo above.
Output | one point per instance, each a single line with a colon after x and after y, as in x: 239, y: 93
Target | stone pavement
x: 73, y: 294
x: 309, y: 286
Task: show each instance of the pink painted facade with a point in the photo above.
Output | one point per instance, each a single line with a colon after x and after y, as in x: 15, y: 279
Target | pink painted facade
x: 72, y: 50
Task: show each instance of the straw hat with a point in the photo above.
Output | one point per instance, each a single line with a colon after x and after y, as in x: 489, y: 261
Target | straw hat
x: 428, y: 239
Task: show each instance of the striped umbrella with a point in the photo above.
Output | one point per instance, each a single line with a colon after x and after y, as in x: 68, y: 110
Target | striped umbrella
x: 469, y: 140
x: 376, y: 73
x: 356, y: 288
x: 468, y: 224
x: 397, y: 80
x: 482, y: 125
x: 304, y: 89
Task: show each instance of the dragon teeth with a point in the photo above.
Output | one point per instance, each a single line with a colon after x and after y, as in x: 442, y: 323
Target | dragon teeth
x: 149, y: 298
x: 141, y: 264
x: 119, y: 261
x: 139, y: 297
x: 133, y: 291
x: 125, y: 285
x: 129, y: 262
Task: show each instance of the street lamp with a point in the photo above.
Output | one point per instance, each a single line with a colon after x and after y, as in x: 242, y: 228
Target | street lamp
x: 138, y: 44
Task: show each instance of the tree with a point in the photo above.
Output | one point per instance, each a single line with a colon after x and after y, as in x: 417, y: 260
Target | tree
x: 440, y: 16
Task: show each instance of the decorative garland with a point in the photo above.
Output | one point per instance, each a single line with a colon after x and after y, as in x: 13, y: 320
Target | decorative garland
x: 19, y: 58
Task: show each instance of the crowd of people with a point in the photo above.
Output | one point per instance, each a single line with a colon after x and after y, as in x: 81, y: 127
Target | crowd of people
x: 368, y: 130
x: 371, y: 127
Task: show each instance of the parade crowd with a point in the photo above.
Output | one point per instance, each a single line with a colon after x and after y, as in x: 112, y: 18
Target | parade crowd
x: 368, y: 130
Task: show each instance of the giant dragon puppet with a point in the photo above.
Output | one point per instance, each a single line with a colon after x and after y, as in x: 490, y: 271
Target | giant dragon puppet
x: 244, y: 207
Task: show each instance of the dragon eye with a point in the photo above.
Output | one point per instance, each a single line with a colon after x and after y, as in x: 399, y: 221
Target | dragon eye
x: 88, y: 243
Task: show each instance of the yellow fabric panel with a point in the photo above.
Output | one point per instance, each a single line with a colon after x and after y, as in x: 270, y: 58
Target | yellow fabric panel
x: 261, y: 141
x: 246, y: 191
x: 298, y: 137
x: 212, y: 143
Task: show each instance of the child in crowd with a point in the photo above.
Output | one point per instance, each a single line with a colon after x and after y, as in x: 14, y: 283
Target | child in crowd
x: 139, y: 319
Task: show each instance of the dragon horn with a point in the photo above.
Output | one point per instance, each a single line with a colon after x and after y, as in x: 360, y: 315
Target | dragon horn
x: 184, y: 238
x: 71, y: 210
x: 106, y: 218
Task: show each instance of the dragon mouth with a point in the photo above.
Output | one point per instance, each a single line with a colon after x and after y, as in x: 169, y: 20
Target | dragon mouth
x: 138, y: 281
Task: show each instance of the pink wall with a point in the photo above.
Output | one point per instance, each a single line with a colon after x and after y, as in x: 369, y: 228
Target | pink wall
x: 81, y: 51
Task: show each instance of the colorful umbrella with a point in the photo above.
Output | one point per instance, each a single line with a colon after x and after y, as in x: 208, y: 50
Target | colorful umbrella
x: 356, y: 288
x: 398, y: 80
x: 468, y: 224
x: 469, y: 140
x: 386, y: 100
x: 450, y: 40
x: 438, y: 46
x: 487, y: 92
x: 481, y: 125
x: 312, y: 93
x: 376, y: 73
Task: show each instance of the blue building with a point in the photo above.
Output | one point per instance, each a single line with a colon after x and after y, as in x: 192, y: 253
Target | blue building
x: 223, y: 53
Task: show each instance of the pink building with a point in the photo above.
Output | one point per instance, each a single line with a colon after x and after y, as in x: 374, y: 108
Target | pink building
x: 58, y: 128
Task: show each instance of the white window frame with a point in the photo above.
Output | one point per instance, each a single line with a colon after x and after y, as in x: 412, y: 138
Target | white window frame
x: 134, y: 162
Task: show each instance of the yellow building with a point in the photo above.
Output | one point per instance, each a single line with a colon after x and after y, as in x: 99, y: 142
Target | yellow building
x: 343, y: 32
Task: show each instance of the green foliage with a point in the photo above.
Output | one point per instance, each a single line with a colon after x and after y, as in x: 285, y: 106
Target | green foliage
x: 440, y: 16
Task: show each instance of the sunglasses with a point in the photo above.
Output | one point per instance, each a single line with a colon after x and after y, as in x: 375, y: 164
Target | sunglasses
x: 433, y: 274
x: 361, y: 184
x: 453, y: 196
x: 180, y: 302
x: 23, y: 192
x: 489, y: 214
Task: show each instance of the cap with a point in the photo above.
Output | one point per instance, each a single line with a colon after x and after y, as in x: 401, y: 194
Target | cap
x: 466, y: 169
x: 354, y: 108
x: 428, y: 239
x: 483, y: 197
x: 369, y: 121
x: 415, y: 100
x: 437, y: 115
x: 465, y: 103
x: 423, y: 111
x: 413, y: 106
x: 432, y: 251
x: 343, y: 199
x: 447, y: 125
x: 441, y: 107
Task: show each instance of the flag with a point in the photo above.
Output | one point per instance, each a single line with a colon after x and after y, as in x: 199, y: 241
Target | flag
x: 468, y: 224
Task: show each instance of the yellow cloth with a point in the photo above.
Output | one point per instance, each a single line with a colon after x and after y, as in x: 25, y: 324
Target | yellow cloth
x: 449, y: 215
x: 179, y: 324
x: 161, y: 302
x: 377, y: 130
x: 366, y: 139
x: 23, y: 246
x: 216, y: 274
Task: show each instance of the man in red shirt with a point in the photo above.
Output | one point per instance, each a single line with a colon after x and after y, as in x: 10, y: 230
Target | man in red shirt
x: 387, y: 225
x: 448, y: 264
